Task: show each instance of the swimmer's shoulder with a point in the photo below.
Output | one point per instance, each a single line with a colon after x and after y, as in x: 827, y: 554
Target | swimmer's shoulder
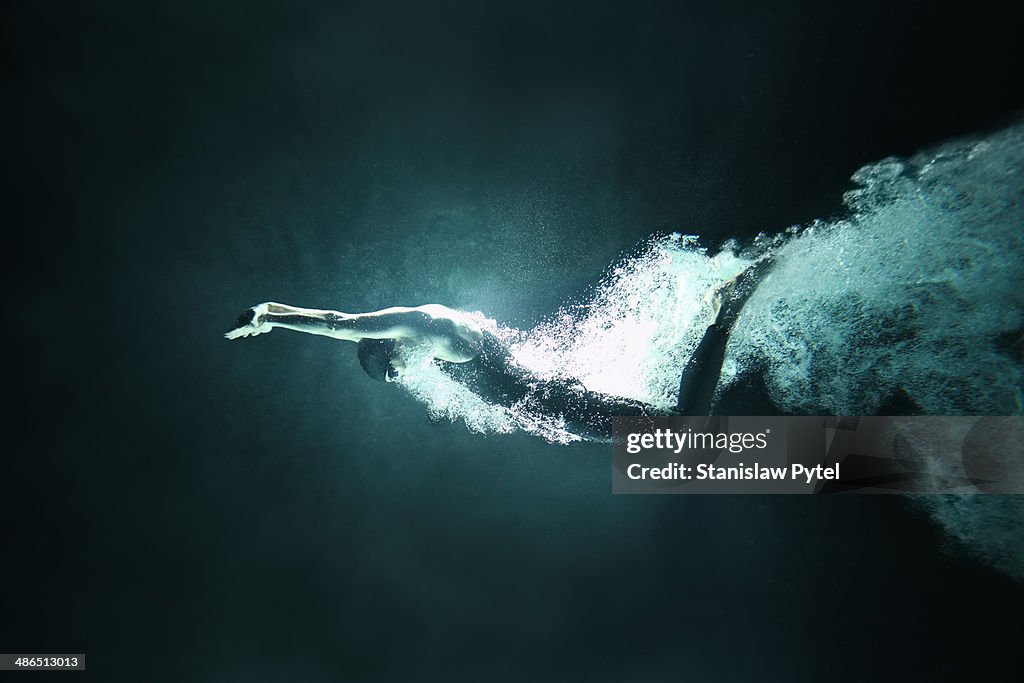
x: 462, y: 322
x: 457, y: 335
x: 437, y: 311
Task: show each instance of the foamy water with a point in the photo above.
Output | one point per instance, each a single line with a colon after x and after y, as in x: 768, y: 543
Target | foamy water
x: 916, y: 287
x: 631, y: 339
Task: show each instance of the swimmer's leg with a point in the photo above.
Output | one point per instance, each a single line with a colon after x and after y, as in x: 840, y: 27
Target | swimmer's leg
x: 700, y: 376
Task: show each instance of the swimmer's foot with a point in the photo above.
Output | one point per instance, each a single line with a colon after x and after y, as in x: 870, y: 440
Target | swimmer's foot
x: 250, y: 322
x: 742, y: 283
x: 713, y: 299
x: 733, y: 294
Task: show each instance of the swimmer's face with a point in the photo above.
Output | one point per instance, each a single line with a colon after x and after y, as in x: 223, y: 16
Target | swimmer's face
x: 395, y: 368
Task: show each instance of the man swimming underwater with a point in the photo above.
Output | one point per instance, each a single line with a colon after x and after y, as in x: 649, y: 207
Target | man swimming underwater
x: 484, y: 364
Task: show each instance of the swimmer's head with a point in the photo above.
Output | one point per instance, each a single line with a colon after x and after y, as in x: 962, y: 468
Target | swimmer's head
x: 378, y: 358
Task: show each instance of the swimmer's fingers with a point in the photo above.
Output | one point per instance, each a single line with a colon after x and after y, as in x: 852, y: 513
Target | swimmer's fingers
x: 237, y: 333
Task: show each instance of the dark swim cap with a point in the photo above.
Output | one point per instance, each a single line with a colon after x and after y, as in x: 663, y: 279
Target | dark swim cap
x: 375, y: 356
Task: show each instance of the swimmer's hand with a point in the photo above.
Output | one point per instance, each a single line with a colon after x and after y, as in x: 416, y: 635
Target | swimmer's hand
x: 251, y: 321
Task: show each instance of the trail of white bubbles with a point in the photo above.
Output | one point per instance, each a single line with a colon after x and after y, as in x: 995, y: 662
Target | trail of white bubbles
x: 631, y: 339
x: 916, y: 288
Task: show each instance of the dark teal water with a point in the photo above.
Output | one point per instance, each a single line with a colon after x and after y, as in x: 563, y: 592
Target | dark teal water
x: 184, y: 508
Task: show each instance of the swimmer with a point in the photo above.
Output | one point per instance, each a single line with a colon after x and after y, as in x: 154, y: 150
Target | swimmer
x: 480, y: 361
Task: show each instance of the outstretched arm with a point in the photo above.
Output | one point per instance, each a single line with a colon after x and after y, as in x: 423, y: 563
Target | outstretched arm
x: 390, y: 323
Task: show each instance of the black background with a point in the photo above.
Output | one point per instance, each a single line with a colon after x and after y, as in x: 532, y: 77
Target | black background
x: 183, y: 508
